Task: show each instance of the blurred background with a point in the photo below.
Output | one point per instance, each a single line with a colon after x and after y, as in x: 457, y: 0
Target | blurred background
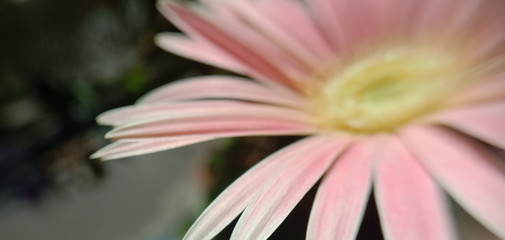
x: 62, y: 63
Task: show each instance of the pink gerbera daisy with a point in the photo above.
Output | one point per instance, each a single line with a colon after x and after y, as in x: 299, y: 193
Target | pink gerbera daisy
x: 403, y: 96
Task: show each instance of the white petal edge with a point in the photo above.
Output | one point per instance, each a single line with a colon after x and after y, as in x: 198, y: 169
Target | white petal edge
x: 280, y: 195
x: 123, y: 149
x: 185, y: 47
x: 232, y: 201
x: 143, y: 114
x: 213, y: 126
x: 225, y: 87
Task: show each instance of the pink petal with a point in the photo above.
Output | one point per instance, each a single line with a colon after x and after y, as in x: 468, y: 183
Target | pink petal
x: 224, y: 87
x: 483, y: 91
x: 342, y: 196
x: 286, y: 188
x: 358, y: 20
x: 211, y: 127
x: 142, y: 114
x: 186, y: 47
x: 235, y: 198
x: 122, y: 149
x: 469, y: 173
x: 296, y: 21
x: 394, y: 16
x: 228, y: 41
x: 486, y: 121
x: 260, y: 34
x: 453, y: 20
x: 472, y: 25
x: 491, y: 44
x: 429, y: 13
x: 253, y: 15
x: 410, y: 204
x: 460, y: 15
x: 349, y: 24
x: 325, y: 16
x: 483, y: 30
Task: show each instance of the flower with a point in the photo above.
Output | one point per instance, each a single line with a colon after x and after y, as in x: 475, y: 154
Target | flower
x: 403, y: 96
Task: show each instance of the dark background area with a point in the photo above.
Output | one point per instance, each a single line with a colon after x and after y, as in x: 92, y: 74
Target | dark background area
x: 61, y: 64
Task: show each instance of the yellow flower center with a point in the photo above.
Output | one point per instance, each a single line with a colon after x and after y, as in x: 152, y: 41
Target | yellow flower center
x: 381, y: 90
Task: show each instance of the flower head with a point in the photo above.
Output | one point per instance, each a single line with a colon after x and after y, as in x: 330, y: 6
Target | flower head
x: 403, y: 96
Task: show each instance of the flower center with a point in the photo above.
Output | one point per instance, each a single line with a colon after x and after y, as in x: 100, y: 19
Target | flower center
x: 386, y: 89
